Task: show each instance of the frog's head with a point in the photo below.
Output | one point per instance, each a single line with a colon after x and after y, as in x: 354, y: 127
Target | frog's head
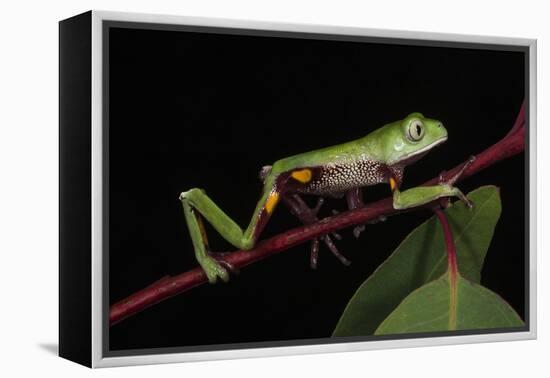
x: 406, y: 141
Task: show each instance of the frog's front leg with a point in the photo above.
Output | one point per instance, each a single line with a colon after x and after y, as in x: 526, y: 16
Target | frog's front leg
x: 424, y: 194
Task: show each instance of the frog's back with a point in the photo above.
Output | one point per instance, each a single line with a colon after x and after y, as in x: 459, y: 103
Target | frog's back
x: 340, y: 154
x: 333, y: 169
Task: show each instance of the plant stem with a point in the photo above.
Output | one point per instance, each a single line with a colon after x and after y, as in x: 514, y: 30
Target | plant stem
x: 452, y: 266
x: 510, y: 145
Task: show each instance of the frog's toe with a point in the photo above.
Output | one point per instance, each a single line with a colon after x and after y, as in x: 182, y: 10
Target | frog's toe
x: 468, y: 203
x: 332, y: 247
x: 214, y: 270
x: 357, y: 230
x: 220, y: 259
x: 463, y: 198
x: 314, y: 256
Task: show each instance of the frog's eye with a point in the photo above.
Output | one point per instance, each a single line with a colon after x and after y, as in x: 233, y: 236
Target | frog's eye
x: 416, y: 130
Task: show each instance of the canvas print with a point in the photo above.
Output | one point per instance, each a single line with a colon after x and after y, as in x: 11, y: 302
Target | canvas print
x: 272, y: 189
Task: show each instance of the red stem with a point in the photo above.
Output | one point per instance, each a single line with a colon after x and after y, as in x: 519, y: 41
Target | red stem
x: 520, y: 120
x: 510, y: 145
x: 452, y: 265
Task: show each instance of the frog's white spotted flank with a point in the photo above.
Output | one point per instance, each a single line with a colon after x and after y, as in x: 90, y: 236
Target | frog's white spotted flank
x: 338, y: 178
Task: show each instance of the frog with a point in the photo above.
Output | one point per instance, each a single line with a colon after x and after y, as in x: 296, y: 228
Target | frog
x: 379, y: 157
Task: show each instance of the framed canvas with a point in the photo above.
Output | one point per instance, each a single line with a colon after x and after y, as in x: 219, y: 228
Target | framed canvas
x: 238, y: 188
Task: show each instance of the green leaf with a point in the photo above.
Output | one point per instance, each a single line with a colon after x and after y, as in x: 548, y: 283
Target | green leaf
x: 442, y: 306
x: 421, y: 258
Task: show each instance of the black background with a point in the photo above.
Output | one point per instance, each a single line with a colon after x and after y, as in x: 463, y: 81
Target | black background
x: 209, y: 110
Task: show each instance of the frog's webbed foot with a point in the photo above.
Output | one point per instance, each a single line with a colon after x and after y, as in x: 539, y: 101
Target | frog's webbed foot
x: 220, y: 259
x: 216, y: 267
x: 213, y: 269
x: 452, y: 180
x: 307, y: 215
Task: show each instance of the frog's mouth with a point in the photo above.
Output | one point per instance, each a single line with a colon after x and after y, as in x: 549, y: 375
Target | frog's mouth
x: 417, y: 155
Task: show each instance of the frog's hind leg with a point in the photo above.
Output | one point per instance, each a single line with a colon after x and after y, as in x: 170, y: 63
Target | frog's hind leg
x: 211, y: 267
x: 308, y: 215
x: 197, y: 205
